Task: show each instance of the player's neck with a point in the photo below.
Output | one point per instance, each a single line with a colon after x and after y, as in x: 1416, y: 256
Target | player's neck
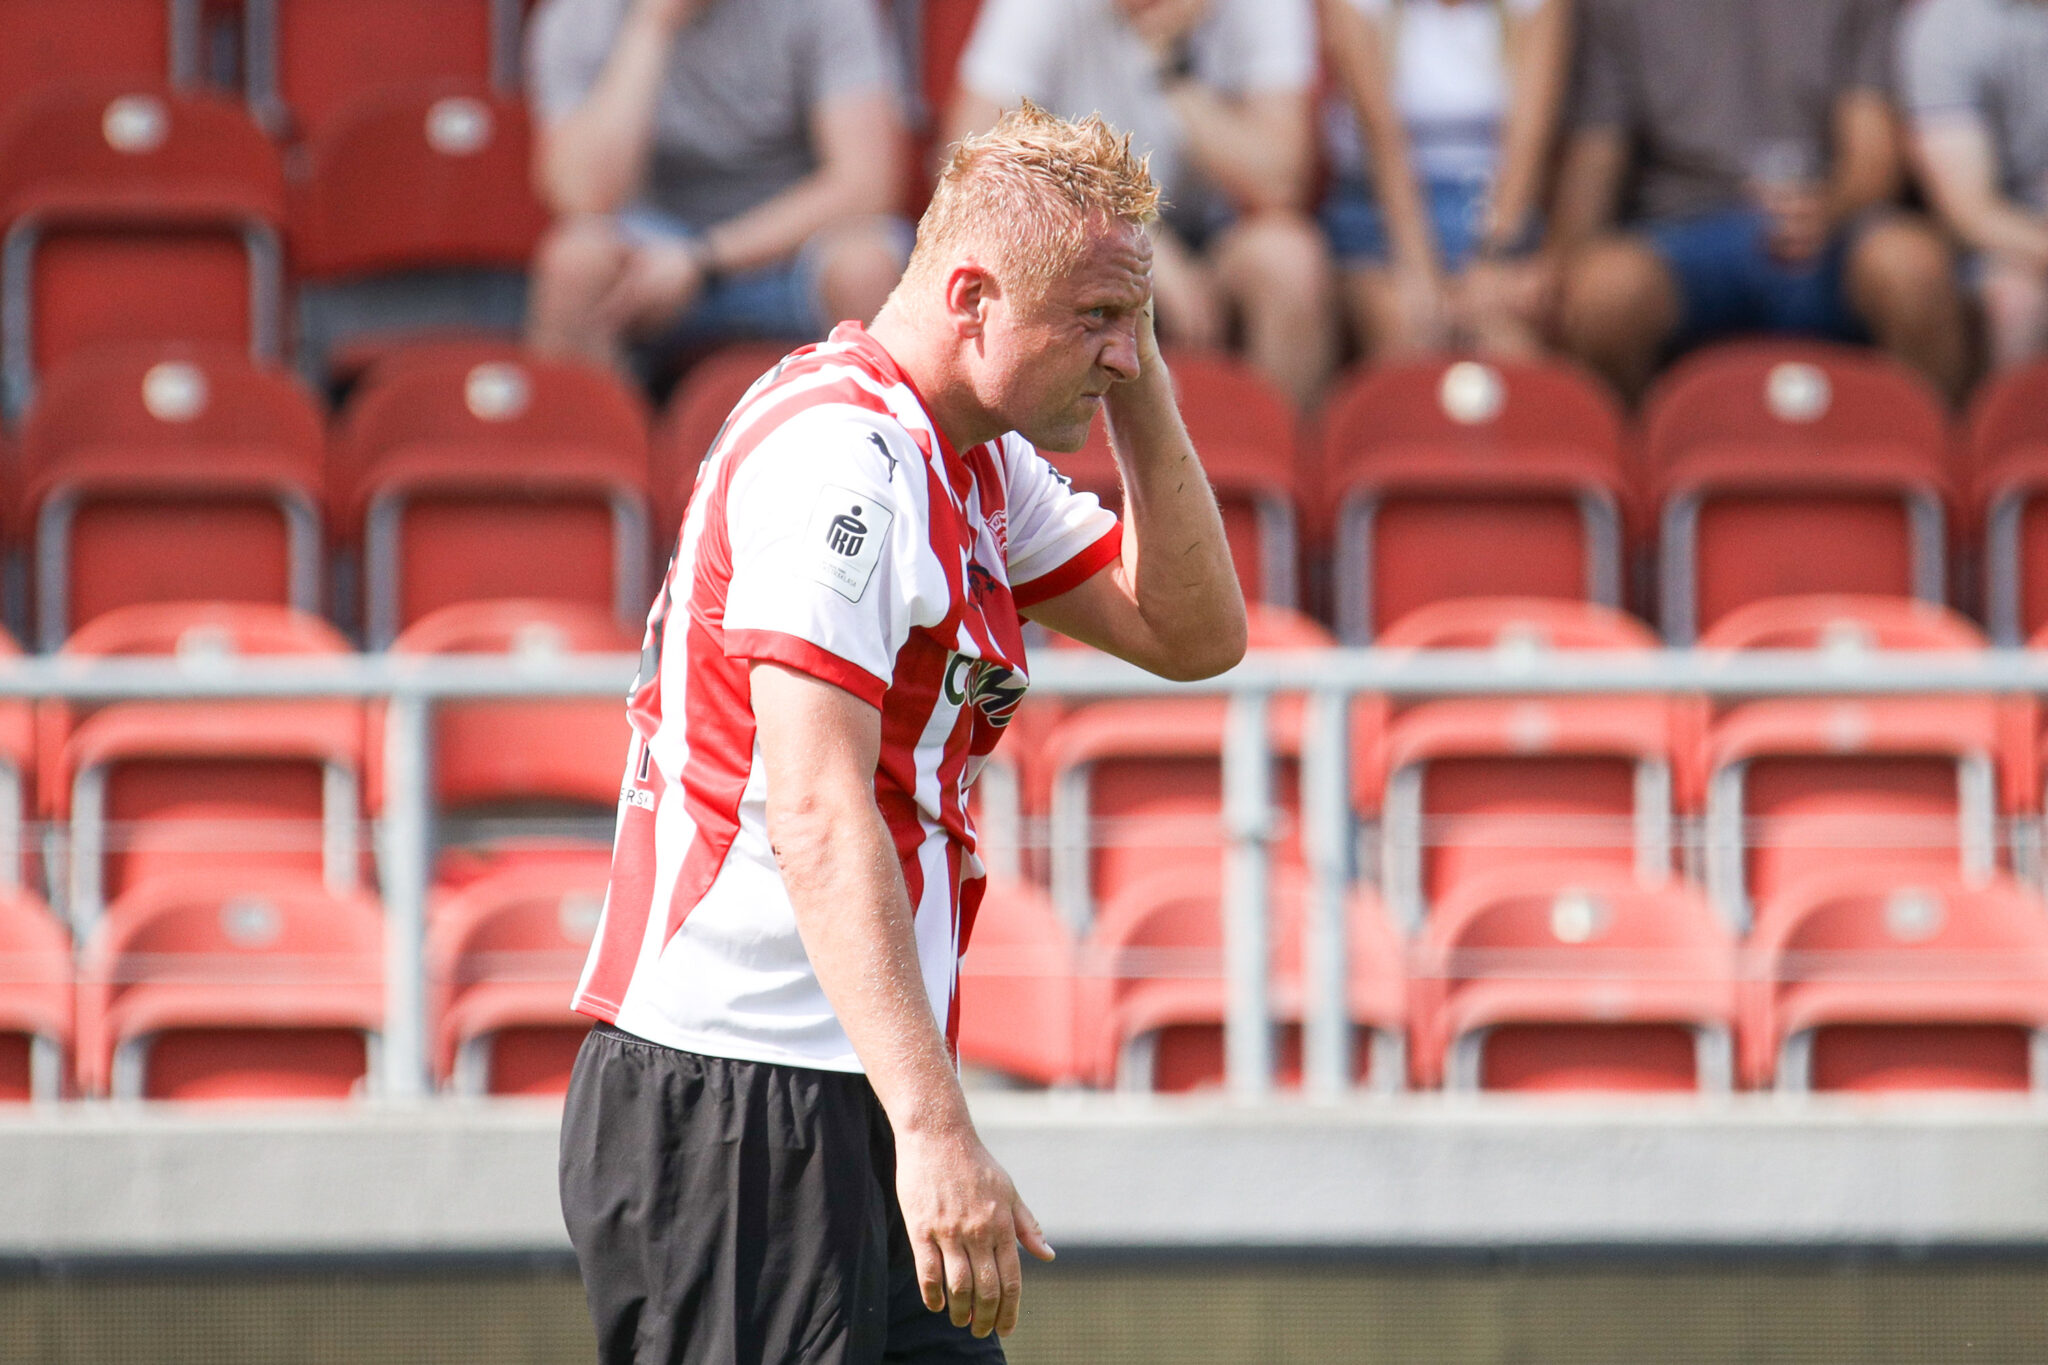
x: 929, y: 359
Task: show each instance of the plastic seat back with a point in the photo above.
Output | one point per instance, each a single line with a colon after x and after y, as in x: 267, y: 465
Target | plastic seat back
x: 504, y: 954
x: 2008, y: 467
x: 35, y: 999
x: 523, y: 776
x: 1154, y: 988
x: 1574, y: 978
x: 134, y: 215
x: 1457, y: 479
x: 151, y: 788
x: 306, y: 61
x: 1787, y: 468
x: 42, y: 44
x: 1869, y: 980
x: 1018, y: 988
x: 170, y: 474
x: 472, y: 482
x: 1468, y: 785
x: 231, y: 987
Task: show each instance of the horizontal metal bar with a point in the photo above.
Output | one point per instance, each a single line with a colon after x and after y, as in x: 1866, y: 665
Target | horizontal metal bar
x: 1396, y: 672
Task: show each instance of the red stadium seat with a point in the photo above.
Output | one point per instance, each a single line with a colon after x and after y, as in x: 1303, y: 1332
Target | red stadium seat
x: 35, y: 999
x: 504, y: 479
x: 1871, y: 981
x: 2008, y: 447
x: 1156, y: 992
x: 1462, y: 479
x: 1468, y: 785
x: 231, y: 987
x: 519, y: 781
x: 305, y: 61
x: 1246, y: 433
x: 503, y: 957
x: 696, y: 414
x: 1018, y: 988
x: 17, y: 774
x: 1781, y: 468
x: 1791, y: 786
x: 1573, y: 979
x: 245, y: 788
x: 170, y: 474
x: 943, y: 28
x: 1131, y: 786
x: 134, y: 41
x: 135, y: 216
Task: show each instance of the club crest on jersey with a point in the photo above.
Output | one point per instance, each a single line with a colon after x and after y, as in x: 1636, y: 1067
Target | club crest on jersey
x: 845, y: 538
x: 986, y: 685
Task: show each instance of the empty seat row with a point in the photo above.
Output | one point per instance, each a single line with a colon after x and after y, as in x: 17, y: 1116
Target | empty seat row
x: 201, y: 986
x: 136, y: 215
x: 151, y: 474
x: 127, y: 793
x: 1749, y: 796
x: 1562, y: 978
x: 303, y: 61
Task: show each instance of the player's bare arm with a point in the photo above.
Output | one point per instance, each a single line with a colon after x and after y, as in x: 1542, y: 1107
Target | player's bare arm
x: 819, y: 747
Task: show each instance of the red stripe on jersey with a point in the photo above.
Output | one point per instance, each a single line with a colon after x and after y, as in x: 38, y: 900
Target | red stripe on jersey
x: 793, y: 651
x: 1074, y: 572
x: 628, y: 900
x: 967, y: 900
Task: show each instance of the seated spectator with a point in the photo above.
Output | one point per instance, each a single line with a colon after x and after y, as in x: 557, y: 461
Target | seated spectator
x: 721, y: 168
x: 1751, y: 148
x: 1218, y: 92
x: 1438, y: 154
x: 1974, y: 80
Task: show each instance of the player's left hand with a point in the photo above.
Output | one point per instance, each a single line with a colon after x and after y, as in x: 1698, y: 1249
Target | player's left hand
x: 964, y: 1220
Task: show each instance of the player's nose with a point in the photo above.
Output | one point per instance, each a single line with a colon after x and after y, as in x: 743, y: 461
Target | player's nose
x: 1120, y: 353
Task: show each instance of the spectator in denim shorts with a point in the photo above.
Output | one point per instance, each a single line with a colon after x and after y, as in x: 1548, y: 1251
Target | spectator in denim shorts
x: 1438, y: 152
x: 721, y: 168
x: 1749, y: 147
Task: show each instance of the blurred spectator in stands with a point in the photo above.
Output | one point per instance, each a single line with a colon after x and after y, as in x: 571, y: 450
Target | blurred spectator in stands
x: 1439, y: 152
x: 721, y: 168
x: 1219, y: 93
x: 1750, y: 147
x: 1974, y: 77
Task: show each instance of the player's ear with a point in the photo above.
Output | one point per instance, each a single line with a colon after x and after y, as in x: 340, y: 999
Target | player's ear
x: 970, y: 290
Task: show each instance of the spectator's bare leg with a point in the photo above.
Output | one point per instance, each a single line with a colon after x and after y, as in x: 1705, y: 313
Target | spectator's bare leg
x: 1391, y: 323
x: 1191, y: 307
x: 1499, y: 305
x: 1902, y: 284
x: 2015, y: 299
x: 1277, y: 269
x: 1619, y: 306
x: 858, y: 265
x: 579, y: 264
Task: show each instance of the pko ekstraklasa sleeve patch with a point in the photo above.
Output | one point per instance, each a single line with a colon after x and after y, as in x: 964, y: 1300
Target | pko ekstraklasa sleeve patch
x: 845, y: 539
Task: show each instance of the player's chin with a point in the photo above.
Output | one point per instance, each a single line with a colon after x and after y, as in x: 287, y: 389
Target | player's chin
x: 1069, y: 431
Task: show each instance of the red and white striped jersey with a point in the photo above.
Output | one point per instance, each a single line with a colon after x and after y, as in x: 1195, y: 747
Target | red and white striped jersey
x: 834, y: 531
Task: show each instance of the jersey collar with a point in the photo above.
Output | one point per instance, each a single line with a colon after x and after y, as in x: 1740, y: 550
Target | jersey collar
x: 957, y: 471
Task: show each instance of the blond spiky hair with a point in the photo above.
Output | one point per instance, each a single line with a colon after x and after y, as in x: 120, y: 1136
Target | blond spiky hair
x: 1029, y: 192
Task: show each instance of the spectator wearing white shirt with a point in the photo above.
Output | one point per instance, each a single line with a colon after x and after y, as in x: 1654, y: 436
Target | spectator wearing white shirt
x: 1438, y: 150
x: 1219, y: 93
x: 1973, y: 77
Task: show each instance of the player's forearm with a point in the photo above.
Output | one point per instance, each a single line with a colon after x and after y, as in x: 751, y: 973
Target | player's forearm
x: 1176, y: 562
x: 594, y: 159
x: 853, y: 914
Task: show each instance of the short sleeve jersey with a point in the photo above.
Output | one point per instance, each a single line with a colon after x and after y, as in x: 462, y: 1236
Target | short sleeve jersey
x: 1077, y: 57
x: 732, y: 122
x: 1706, y: 91
x: 832, y: 531
x: 1983, y: 62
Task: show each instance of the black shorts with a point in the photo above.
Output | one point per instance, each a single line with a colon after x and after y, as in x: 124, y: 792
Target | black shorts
x: 740, y: 1213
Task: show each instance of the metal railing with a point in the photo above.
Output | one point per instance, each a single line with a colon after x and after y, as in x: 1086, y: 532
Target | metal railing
x: 1329, y: 679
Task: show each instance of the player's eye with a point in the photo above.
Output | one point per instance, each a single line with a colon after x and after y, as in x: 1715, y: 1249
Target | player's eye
x: 1097, y: 314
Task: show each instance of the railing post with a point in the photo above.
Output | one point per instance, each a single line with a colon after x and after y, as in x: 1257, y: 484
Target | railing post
x: 1326, y: 830
x: 1248, y: 821
x: 408, y: 858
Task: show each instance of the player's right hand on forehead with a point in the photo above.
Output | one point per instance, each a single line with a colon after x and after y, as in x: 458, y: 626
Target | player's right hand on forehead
x: 965, y: 1221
